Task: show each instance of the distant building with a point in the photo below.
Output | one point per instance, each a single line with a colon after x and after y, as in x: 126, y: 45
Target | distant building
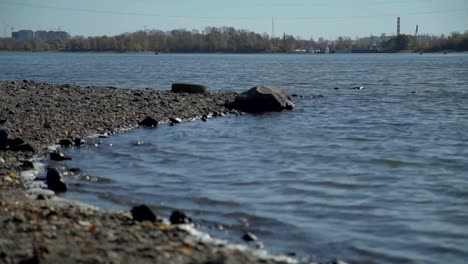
x: 40, y: 35
x: 44, y: 36
x: 23, y: 35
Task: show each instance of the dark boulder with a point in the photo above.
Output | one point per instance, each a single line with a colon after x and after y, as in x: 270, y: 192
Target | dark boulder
x: 142, y: 213
x: 188, y: 88
x: 3, y: 139
x: 66, y: 142
x: 148, y: 122
x: 179, y: 217
x: 262, y: 98
x: 17, y: 144
x: 57, y: 156
x: 54, y: 181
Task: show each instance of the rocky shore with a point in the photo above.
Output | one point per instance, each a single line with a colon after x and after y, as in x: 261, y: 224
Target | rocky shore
x: 34, y: 116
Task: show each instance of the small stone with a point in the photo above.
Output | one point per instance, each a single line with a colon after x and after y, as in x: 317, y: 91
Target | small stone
x: 249, y: 237
x: 40, y: 197
x: 357, y: 87
x: 75, y: 170
x: 32, y: 260
x: 148, y: 122
x: 78, y: 142
x: 27, y: 165
x: 66, y: 142
x: 204, y: 118
x: 188, y: 88
x: 142, y: 213
x: 175, y: 120
x: 57, y: 156
x: 179, y: 217
x: 54, y: 181
x: 18, y: 144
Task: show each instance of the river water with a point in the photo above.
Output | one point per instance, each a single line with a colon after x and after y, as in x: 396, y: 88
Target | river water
x: 378, y: 175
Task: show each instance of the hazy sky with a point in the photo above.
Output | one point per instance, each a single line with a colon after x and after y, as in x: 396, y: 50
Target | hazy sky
x: 306, y: 18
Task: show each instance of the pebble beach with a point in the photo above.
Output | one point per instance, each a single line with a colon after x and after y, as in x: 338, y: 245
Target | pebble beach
x: 40, y: 115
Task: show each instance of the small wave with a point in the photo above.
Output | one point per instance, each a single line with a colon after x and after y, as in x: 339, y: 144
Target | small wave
x: 356, y: 139
x: 208, y: 201
x: 374, y: 256
x: 392, y: 163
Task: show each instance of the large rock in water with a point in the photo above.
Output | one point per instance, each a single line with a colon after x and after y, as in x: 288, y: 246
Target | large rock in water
x: 188, y: 88
x: 262, y: 98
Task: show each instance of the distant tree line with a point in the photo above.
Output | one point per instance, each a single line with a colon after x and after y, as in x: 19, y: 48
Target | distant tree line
x: 226, y: 39
x: 455, y: 42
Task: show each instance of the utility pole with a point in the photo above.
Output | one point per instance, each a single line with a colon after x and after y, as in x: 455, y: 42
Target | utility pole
x: 272, y: 27
x: 284, y: 41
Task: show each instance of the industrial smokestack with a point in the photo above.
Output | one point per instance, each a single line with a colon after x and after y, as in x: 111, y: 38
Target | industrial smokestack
x: 398, y: 26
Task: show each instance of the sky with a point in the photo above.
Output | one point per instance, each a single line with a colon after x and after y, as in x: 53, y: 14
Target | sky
x: 305, y: 18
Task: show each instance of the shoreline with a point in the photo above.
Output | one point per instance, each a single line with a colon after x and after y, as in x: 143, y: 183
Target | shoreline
x: 47, y: 231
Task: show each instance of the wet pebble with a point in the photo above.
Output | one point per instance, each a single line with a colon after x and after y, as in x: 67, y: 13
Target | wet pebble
x: 148, y: 122
x: 179, y: 217
x: 142, y: 213
x: 58, y: 156
x: 66, y: 142
x: 249, y: 237
x: 54, y: 181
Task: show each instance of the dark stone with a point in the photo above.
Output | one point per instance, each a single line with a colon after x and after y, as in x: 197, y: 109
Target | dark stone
x: 40, y: 197
x: 249, y: 237
x: 3, y: 139
x: 179, y: 217
x: 262, y: 98
x: 57, y: 156
x: 357, y: 87
x: 75, y: 170
x: 294, y: 95
x: 149, y: 122
x: 18, y: 144
x: 2, y: 121
x: 66, y: 85
x: 204, y: 118
x: 188, y: 88
x: 336, y: 88
x: 78, y: 142
x: 15, y: 142
x: 32, y: 260
x: 27, y: 165
x: 175, y: 120
x: 142, y: 213
x: 54, y: 181
x: 66, y: 142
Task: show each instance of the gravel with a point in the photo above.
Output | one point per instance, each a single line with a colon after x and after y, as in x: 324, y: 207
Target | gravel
x: 47, y: 231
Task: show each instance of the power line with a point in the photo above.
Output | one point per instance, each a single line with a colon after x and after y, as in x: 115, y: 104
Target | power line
x: 85, y: 10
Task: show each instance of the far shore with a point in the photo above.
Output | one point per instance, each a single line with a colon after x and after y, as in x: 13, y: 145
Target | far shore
x: 241, y: 53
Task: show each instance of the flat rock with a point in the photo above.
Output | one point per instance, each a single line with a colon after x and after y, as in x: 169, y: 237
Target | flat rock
x: 262, y: 98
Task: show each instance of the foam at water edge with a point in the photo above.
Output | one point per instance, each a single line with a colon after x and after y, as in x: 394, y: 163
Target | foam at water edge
x: 261, y: 253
